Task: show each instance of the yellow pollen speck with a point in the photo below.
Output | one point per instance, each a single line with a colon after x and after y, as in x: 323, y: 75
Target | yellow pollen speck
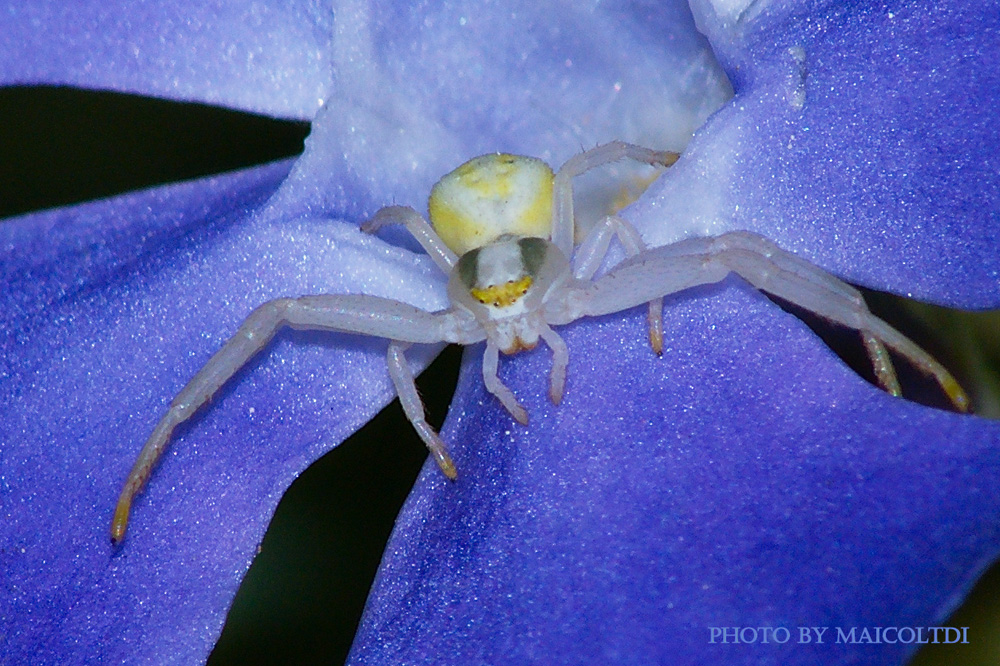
x: 502, y: 295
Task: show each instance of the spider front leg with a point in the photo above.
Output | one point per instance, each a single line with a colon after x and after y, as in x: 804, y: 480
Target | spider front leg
x: 697, y: 261
x: 771, y: 269
x: 419, y: 228
x: 351, y: 313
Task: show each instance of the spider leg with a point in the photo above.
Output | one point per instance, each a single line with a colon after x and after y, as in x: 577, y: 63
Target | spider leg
x: 491, y: 359
x: 771, y: 269
x: 563, y: 222
x: 352, y: 313
x: 402, y: 379
x: 595, y: 247
x: 881, y: 364
x: 673, y: 268
x: 560, y: 359
x: 419, y: 228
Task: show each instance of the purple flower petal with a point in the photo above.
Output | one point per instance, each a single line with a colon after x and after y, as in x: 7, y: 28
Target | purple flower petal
x: 269, y: 57
x: 420, y: 89
x: 90, y: 367
x: 737, y: 481
x: 747, y: 477
x: 863, y: 137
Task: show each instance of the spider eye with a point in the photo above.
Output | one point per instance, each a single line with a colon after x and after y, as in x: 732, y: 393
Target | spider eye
x: 504, y: 294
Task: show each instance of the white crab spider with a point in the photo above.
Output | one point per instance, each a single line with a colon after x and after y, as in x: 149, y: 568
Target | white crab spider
x: 503, y: 229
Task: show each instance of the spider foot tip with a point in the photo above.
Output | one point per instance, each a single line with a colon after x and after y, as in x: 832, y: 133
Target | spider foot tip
x: 117, y: 534
x: 656, y: 343
x: 445, y: 463
x: 958, y: 396
x: 667, y: 157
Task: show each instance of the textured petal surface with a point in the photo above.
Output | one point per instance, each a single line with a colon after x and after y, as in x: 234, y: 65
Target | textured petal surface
x: 268, y: 57
x: 735, y: 482
x: 116, y: 305
x: 419, y: 89
x: 863, y: 137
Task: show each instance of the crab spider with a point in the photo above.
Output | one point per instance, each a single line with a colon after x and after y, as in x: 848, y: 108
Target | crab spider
x: 502, y: 227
